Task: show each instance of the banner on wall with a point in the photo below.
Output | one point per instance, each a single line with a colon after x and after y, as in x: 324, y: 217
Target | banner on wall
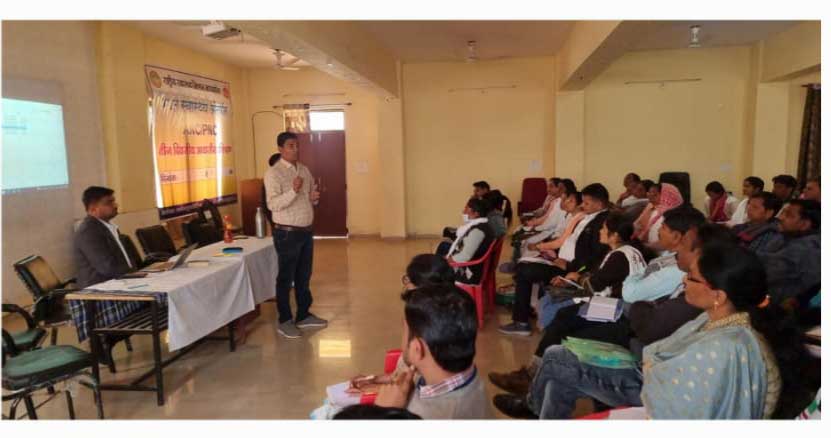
x: 190, y: 127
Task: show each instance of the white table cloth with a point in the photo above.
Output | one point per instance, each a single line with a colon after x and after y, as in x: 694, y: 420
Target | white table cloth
x: 202, y: 299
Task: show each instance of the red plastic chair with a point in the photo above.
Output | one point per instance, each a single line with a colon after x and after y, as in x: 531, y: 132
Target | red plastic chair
x: 477, y: 290
x: 390, y: 361
x: 534, y: 191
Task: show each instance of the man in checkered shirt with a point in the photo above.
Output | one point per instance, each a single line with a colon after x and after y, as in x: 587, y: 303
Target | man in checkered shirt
x: 291, y: 197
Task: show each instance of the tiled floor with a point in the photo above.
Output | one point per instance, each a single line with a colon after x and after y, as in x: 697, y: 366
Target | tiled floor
x: 356, y: 286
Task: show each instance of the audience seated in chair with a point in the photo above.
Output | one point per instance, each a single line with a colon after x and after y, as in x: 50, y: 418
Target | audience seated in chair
x: 761, y: 227
x: 727, y: 345
x: 623, y: 259
x: 581, y: 251
x: 752, y: 185
x: 720, y: 204
x: 498, y: 219
x: 632, y: 195
x: 792, y: 261
x: 567, y: 322
x: 472, y: 241
x: 811, y: 191
x: 551, y: 224
x: 662, y: 198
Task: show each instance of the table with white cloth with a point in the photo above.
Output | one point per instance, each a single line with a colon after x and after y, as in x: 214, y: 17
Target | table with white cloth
x: 200, y: 299
x: 210, y: 291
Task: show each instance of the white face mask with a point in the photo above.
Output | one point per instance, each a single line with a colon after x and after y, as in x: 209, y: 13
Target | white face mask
x: 465, y: 218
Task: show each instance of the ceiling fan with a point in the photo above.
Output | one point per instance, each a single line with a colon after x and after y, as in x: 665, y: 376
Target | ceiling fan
x: 471, y: 52
x: 279, y: 65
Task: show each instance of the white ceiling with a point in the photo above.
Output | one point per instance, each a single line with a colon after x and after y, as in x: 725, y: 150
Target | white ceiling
x: 429, y: 41
x: 434, y: 41
x: 676, y: 34
x: 243, y: 50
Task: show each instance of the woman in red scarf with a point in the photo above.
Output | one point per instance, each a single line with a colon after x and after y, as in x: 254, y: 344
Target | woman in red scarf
x: 669, y: 198
x: 718, y: 202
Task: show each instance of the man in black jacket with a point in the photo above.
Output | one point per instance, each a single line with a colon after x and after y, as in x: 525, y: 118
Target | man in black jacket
x: 99, y: 254
x: 582, y: 251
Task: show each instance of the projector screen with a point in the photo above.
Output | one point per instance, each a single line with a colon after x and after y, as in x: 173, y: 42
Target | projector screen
x: 34, y: 145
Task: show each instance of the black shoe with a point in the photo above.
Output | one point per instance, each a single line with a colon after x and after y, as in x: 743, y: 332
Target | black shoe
x: 513, y: 406
x: 515, y: 382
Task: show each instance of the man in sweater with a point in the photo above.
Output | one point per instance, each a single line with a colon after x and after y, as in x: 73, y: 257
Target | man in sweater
x: 761, y: 227
x: 792, y: 262
x: 440, y: 380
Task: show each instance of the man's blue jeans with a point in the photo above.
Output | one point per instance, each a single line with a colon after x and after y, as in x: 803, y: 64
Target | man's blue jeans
x: 561, y: 379
x: 295, y: 250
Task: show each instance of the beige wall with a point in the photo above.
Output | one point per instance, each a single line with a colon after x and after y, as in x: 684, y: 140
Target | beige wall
x: 123, y: 52
x: 41, y: 222
x: 698, y: 127
x: 792, y: 52
x: 455, y: 138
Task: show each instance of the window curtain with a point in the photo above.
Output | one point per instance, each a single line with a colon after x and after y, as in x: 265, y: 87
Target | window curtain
x: 296, y: 117
x: 809, y: 146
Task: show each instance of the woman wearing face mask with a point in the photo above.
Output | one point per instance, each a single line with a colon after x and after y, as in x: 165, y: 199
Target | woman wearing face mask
x: 726, y: 363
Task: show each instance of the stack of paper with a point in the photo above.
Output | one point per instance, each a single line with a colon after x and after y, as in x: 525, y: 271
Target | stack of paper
x: 602, y: 309
x: 337, y: 395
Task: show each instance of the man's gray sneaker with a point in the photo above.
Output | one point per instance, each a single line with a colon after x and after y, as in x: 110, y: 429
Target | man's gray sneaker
x: 516, y: 329
x: 312, y: 321
x: 507, y: 268
x: 289, y: 330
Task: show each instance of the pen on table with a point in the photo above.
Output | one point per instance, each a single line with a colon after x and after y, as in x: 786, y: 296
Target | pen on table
x: 137, y: 286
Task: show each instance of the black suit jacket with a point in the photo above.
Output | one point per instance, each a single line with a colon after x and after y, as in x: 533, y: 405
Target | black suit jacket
x: 97, y: 255
x: 589, y: 252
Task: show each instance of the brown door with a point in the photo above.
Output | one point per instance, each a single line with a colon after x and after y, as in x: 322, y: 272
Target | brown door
x: 324, y: 153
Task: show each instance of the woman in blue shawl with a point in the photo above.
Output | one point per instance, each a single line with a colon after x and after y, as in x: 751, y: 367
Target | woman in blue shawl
x: 717, y: 366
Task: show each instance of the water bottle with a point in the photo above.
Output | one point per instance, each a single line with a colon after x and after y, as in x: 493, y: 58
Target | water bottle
x: 228, y: 236
x: 259, y: 223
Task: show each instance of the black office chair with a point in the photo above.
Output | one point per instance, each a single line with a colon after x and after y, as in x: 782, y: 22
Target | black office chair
x: 47, y: 290
x: 200, y: 232
x: 30, y: 338
x: 25, y: 372
x: 209, y: 212
x: 155, y: 240
x: 135, y: 257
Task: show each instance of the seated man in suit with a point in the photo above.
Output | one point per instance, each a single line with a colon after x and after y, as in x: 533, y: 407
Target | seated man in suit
x: 99, y: 253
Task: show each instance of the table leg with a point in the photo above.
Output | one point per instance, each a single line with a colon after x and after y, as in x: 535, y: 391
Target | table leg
x: 157, y: 354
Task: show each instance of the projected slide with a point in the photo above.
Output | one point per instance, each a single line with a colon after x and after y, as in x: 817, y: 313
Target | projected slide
x: 34, y: 148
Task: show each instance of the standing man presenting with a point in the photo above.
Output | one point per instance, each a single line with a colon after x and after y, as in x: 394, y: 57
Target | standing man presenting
x: 290, y: 196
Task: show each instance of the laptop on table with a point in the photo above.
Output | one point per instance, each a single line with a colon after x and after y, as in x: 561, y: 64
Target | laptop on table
x: 168, y: 266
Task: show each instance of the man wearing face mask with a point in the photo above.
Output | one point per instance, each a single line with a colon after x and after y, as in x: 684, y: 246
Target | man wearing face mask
x: 472, y: 241
x: 437, y: 378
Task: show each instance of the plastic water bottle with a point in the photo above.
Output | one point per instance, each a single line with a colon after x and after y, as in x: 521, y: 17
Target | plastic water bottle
x: 228, y: 235
x: 259, y: 223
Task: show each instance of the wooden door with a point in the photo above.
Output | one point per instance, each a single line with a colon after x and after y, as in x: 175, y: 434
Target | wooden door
x: 324, y: 153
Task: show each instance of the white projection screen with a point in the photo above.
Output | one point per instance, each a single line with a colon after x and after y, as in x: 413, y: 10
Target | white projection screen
x: 34, y: 153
